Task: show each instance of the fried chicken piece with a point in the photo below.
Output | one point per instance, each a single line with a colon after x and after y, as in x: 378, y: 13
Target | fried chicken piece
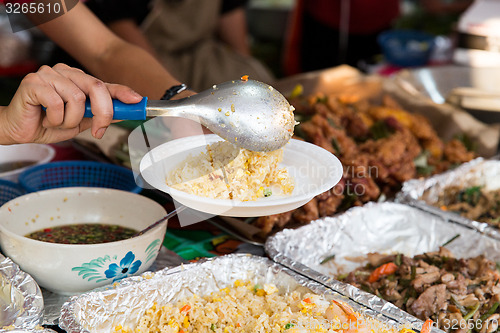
x: 434, y: 146
x: 329, y: 206
x: 365, y: 188
x: 267, y: 223
x: 421, y: 128
x: 404, y: 170
x: 455, y: 152
x: 381, y: 113
x: 392, y: 149
x: 356, y: 127
x: 315, y: 135
x: 307, y: 213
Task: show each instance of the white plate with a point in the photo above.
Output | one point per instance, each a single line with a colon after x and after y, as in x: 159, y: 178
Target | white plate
x: 314, y: 169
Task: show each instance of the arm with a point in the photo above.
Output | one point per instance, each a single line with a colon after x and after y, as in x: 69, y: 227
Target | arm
x: 105, y: 55
x: 232, y: 29
x: 128, y: 30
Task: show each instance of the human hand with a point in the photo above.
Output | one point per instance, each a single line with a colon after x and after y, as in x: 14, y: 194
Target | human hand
x: 63, y: 91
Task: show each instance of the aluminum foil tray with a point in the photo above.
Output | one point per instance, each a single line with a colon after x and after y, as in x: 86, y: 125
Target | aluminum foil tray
x: 424, y: 193
x: 21, y: 301
x: 38, y: 329
x: 125, y: 304
x: 376, y: 227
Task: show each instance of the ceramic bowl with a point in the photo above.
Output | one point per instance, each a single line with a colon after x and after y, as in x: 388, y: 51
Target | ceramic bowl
x: 29, y: 152
x: 75, y: 268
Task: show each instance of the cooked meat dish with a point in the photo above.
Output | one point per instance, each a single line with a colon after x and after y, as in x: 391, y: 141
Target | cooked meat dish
x: 460, y: 295
x: 474, y: 202
x: 379, y: 144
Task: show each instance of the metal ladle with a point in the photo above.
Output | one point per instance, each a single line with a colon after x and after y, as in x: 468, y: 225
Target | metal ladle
x: 248, y: 113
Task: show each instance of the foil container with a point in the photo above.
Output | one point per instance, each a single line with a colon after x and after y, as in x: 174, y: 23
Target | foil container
x: 21, y: 301
x: 101, y: 311
x: 34, y: 330
x: 54, y: 302
x: 376, y: 227
x: 424, y: 193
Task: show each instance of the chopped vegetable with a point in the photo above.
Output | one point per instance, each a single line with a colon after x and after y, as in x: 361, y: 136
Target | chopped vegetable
x: 490, y: 311
x: 212, y: 327
x: 451, y: 240
x: 289, y: 325
x: 466, y: 140
x: 397, y: 261
x: 427, y: 326
x: 380, y: 130
x: 327, y: 259
x: 244, y: 78
x: 422, y: 163
x: 307, y: 300
x: 186, y: 308
x: 297, y: 91
x: 470, y: 195
x: 472, y: 312
x: 267, y: 192
x: 385, y: 269
x: 459, y: 306
x: 336, y: 146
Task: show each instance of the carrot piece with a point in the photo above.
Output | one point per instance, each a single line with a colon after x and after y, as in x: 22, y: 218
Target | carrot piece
x: 383, y: 270
x: 244, y: 78
x: 443, y: 207
x: 307, y: 300
x: 427, y: 326
x: 238, y: 325
x: 186, y: 308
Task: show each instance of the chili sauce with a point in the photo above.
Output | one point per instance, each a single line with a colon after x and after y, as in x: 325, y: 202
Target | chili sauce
x: 83, y: 233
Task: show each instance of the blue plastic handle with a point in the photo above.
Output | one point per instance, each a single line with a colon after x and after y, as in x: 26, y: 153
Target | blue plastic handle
x: 122, y: 111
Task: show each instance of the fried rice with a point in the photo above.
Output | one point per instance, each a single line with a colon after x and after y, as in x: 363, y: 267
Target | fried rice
x: 248, y: 307
x: 225, y: 171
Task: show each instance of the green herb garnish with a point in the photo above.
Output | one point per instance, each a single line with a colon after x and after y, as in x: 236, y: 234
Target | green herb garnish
x: 380, y: 130
x: 466, y: 140
x: 397, y: 261
x: 212, y: 327
x: 327, y: 259
x: 470, y: 195
x: 450, y: 240
x: 473, y: 311
x: 422, y: 165
x: 268, y: 192
x: 491, y: 311
x: 289, y: 325
x: 336, y: 145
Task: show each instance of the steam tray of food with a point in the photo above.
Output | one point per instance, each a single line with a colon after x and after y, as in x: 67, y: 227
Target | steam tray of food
x: 422, y: 263
x: 469, y: 194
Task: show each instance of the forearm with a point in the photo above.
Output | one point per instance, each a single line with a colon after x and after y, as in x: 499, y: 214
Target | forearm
x: 128, y: 30
x: 132, y: 66
x: 106, y: 56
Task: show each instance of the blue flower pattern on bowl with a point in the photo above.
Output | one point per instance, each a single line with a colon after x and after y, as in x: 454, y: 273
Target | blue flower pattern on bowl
x: 110, y: 268
x: 127, y: 267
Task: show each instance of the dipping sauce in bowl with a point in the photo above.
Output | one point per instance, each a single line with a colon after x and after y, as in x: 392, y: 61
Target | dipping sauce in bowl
x: 83, y: 233
x: 9, y: 166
